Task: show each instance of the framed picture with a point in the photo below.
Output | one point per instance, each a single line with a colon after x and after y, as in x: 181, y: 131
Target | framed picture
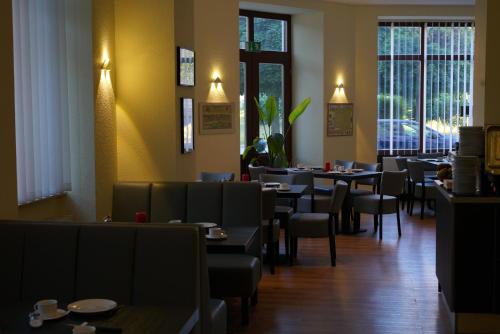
x: 339, y: 119
x: 216, y: 118
x: 185, y: 67
x: 187, y: 125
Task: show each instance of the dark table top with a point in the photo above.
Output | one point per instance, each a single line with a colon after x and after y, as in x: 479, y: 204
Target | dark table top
x: 131, y: 320
x: 346, y: 176
x: 296, y: 191
x: 239, y: 240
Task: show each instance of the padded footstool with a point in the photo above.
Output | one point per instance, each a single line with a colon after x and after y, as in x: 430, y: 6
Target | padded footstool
x: 234, y: 275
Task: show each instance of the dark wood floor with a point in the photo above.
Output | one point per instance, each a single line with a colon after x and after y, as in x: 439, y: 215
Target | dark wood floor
x: 386, y: 287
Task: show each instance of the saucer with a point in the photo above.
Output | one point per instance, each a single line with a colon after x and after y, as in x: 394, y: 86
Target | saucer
x: 206, y: 224
x: 53, y: 316
x: 213, y: 237
x: 283, y: 189
x: 92, y: 306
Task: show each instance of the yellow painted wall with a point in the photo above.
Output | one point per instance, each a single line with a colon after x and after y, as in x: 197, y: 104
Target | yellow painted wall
x: 216, y: 40
x: 492, y: 109
x: 105, y: 111
x: 145, y: 89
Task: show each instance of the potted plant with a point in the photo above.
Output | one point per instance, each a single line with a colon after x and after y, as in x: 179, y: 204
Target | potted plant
x: 268, y: 113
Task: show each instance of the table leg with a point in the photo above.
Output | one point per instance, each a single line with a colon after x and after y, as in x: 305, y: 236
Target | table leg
x: 346, y: 215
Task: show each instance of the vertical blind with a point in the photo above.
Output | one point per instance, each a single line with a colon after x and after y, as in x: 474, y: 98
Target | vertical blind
x: 425, y: 85
x: 41, y: 98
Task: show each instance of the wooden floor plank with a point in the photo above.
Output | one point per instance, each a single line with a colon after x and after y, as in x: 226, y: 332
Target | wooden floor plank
x: 377, y: 287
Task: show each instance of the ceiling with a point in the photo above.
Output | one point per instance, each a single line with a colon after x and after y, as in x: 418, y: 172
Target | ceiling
x: 408, y: 2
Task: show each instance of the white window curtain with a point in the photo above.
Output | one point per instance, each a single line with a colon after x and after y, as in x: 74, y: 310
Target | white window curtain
x: 41, y: 98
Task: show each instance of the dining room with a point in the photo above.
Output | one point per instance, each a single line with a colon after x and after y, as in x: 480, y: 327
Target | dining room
x: 263, y: 166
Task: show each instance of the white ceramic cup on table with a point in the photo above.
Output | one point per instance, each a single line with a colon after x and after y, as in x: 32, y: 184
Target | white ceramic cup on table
x: 83, y: 329
x: 215, y: 232
x: 46, y: 307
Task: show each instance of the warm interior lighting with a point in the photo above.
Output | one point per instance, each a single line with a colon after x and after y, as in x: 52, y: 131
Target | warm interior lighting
x: 105, y: 65
x: 217, y: 84
x: 339, y: 94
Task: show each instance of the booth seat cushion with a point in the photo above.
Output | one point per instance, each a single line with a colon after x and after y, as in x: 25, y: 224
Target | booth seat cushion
x: 218, y: 316
x: 233, y: 275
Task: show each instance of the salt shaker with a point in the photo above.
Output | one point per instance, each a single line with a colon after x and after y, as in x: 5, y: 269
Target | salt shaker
x: 35, y: 320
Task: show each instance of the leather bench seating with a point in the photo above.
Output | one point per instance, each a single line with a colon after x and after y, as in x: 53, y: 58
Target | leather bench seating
x: 224, y: 203
x: 69, y: 261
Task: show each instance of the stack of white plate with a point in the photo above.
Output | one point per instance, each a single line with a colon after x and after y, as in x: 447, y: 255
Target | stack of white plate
x: 466, y: 176
x: 471, y: 140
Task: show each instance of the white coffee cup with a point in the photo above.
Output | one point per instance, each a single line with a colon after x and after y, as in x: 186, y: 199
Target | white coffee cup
x: 46, y: 307
x: 215, y: 232
x: 83, y: 329
x: 284, y: 186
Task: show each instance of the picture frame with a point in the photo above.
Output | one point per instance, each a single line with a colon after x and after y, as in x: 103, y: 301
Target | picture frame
x: 216, y: 118
x: 185, y: 67
x: 187, y: 125
x: 339, y: 119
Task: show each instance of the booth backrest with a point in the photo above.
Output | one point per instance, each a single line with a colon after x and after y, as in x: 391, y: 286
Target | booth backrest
x: 224, y: 203
x: 133, y: 264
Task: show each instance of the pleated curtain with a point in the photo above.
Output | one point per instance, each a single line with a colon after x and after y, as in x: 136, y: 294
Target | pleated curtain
x: 41, y: 98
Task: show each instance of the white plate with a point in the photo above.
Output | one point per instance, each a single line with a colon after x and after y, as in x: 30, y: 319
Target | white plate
x: 206, y: 224
x: 59, y: 314
x: 357, y: 170
x: 272, y: 184
x: 221, y: 237
x: 283, y: 189
x: 92, y: 306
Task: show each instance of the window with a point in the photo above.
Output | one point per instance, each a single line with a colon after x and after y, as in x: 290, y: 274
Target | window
x: 425, y: 85
x: 42, y: 97
x: 265, y: 72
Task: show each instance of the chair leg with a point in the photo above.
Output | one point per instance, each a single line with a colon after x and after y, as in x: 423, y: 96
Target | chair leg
x: 375, y: 223
x: 398, y: 218
x: 337, y: 223
x: 380, y: 227
x: 287, y: 241
x: 290, y: 256
x: 277, y: 252
x: 422, y: 201
x: 245, y: 316
x: 255, y: 298
x: 333, y: 250
x: 270, y: 255
x: 295, y: 247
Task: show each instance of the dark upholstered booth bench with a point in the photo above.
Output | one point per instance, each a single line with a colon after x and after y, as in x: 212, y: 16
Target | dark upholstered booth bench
x: 133, y: 264
x: 227, y: 204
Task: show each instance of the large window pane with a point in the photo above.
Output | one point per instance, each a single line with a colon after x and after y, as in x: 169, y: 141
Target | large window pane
x: 271, y: 34
x: 243, y: 31
x: 271, y: 79
x: 405, y: 40
x: 243, y: 107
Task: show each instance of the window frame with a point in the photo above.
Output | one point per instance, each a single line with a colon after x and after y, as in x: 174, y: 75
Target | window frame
x: 421, y: 58
x: 252, y: 61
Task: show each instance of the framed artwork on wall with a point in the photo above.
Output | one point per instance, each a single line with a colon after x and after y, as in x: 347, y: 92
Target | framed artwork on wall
x: 187, y: 125
x: 185, y: 67
x: 339, y: 119
x: 216, y: 118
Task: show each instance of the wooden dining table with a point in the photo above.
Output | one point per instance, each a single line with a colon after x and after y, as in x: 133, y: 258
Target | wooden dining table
x: 240, y: 239
x: 127, y: 319
x: 348, y: 177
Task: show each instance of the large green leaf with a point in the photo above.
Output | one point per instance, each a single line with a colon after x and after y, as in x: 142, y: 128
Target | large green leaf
x: 275, y: 143
x: 271, y: 109
x: 299, y: 110
x: 247, y: 150
x: 262, y: 115
x: 280, y: 160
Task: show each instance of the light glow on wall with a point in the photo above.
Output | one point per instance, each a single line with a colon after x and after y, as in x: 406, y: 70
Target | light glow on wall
x: 339, y: 95
x: 216, y: 93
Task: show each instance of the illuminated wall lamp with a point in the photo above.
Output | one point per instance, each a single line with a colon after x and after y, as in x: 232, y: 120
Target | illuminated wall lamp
x: 105, y: 65
x: 339, y: 94
x: 217, y: 83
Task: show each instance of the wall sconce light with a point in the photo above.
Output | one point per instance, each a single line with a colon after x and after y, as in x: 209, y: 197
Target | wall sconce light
x: 217, y: 84
x: 339, y: 94
x: 105, y: 65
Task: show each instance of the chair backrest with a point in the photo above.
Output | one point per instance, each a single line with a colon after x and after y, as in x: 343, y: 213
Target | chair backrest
x: 268, y: 203
x: 392, y: 183
x: 346, y: 163
x: 338, y: 196
x: 204, y: 202
x: 402, y: 163
x: 255, y: 171
x: 168, y: 201
x: 371, y: 167
x: 289, y: 178
x: 129, y: 198
x: 416, y: 170
x: 216, y: 177
x: 304, y: 178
